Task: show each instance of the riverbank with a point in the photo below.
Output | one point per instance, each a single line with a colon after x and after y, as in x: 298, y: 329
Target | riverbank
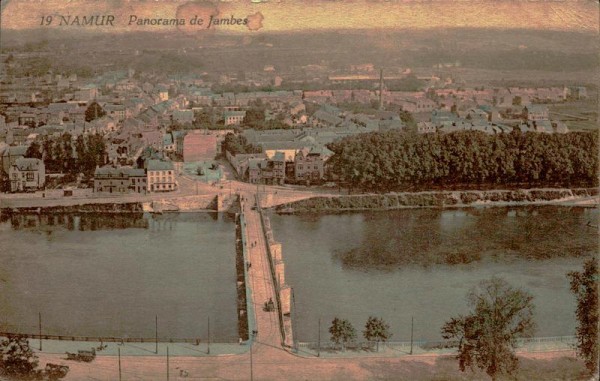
x: 390, y: 201
x: 125, y: 207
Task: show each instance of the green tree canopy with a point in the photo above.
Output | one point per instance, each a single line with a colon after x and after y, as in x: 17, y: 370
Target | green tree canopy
x: 488, y: 335
x: 342, y: 331
x: 584, y: 284
x: 395, y: 160
x: 34, y: 150
x: 94, y: 111
x: 376, y: 329
x: 16, y: 357
x: 238, y: 144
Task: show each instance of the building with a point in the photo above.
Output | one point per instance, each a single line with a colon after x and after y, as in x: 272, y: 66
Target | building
x: 168, y: 143
x: 183, y: 116
x: 536, y: 113
x: 27, y: 174
x: 10, y: 154
x: 233, y: 117
x: 309, y: 165
x: 120, y: 180
x: 267, y: 171
x: 198, y: 145
x: 161, y: 176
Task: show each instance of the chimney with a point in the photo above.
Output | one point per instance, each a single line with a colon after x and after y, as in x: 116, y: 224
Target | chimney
x: 380, y: 89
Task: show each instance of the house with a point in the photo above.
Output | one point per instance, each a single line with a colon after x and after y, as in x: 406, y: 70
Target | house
x: 160, y: 176
x: 233, y: 117
x: 183, y: 116
x: 322, y: 118
x: 27, y: 174
x: 120, y: 180
x: 10, y: 154
x: 535, y: 113
x: 309, y: 164
x: 116, y: 111
x: 168, y: 144
x: 426, y: 127
x: 267, y: 171
x: 240, y: 162
x: 297, y: 108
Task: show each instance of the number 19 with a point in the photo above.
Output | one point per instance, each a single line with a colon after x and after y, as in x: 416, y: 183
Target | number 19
x: 46, y: 20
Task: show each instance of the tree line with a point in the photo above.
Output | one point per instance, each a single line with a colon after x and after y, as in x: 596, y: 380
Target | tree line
x: 395, y: 160
x: 238, y: 144
x: 61, y: 154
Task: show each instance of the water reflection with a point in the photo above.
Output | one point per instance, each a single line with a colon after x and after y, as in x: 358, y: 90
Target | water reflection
x: 81, y: 222
x: 111, y: 274
x: 429, y: 237
x: 421, y: 263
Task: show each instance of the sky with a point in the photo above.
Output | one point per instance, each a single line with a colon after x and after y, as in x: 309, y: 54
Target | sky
x: 303, y: 15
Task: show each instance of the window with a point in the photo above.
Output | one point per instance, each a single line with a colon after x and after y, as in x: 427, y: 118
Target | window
x: 29, y: 176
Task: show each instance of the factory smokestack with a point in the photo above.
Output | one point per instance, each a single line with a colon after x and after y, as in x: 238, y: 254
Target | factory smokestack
x: 380, y: 89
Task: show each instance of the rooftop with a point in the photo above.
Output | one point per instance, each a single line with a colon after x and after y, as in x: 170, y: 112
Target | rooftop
x: 160, y: 165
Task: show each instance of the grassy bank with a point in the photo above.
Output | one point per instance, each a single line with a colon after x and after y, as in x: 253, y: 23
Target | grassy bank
x: 431, y: 199
x: 132, y: 207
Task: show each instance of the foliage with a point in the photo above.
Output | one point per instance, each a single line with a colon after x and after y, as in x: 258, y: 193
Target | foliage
x: 203, y: 119
x: 58, y: 154
x: 17, y: 358
x: 393, y: 160
x: 342, y: 331
x: 487, y: 336
x: 255, y: 116
x: 584, y: 285
x: 408, y: 83
x: 4, y: 181
x: 376, y: 329
x: 94, y: 111
x: 237, y: 144
x: 34, y: 150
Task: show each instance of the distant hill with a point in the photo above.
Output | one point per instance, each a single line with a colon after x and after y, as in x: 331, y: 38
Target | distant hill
x: 492, y: 49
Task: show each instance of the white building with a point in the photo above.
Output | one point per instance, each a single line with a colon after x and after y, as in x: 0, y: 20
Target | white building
x: 161, y: 176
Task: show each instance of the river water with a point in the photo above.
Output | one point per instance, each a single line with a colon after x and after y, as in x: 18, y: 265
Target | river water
x: 420, y: 263
x: 107, y: 275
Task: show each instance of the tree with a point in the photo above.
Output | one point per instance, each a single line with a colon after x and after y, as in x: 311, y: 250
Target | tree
x: 16, y: 357
x: 94, y: 111
x: 376, y: 329
x: 255, y: 115
x: 342, y: 332
x: 487, y: 336
x: 34, y: 150
x: 584, y: 285
x: 4, y: 182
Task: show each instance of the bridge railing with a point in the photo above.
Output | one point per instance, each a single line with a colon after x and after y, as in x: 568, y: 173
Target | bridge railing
x: 533, y: 344
x: 107, y: 339
x: 274, y: 279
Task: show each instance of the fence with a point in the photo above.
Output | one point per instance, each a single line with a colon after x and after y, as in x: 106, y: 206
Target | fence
x: 105, y: 339
x: 524, y: 344
x: 249, y: 304
x: 271, y: 267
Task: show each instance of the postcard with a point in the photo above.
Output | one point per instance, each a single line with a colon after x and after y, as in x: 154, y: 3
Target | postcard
x: 299, y: 190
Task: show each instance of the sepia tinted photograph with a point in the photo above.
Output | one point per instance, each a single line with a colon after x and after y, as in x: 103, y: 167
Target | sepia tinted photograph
x: 299, y: 190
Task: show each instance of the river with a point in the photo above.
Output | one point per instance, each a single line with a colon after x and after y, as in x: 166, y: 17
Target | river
x: 420, y: 263
x: 110, y: 275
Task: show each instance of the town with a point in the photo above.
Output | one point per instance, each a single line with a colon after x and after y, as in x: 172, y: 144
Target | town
x: 148, y: 127
x: 199, y: 203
